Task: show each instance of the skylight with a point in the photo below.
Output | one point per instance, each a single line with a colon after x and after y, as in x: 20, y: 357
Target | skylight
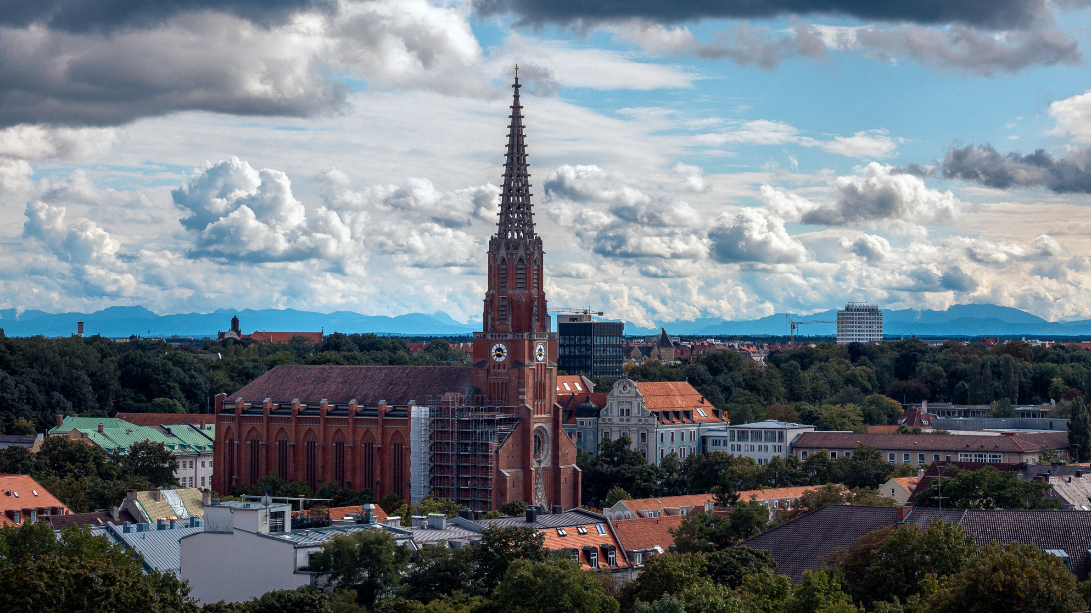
x: 701, y: 412
x: 566, y: 387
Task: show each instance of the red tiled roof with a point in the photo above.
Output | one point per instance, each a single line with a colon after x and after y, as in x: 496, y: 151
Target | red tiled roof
x: 909, y: 483
x: 675, y: 396
x: 574, y: 540
x: 664, y: 502
x: 340, y: 513
x: 397, y: 385
x: 779, y: 493
x: 166, y: 419
x: 575, y: 383
x: 283, y: 337
x: 647, y: 532
x: 94, y: 518
x: 23, y: 494
x: 929, y: 442
x: 881, y: 429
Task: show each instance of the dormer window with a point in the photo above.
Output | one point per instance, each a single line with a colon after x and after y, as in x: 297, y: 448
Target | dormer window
x: 611, y: 557
x: 593, y: 558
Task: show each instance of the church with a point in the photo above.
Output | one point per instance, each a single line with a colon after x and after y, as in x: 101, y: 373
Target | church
x: 481, y: 435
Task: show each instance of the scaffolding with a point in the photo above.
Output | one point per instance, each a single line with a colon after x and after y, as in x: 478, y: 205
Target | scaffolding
x: 463, y: 441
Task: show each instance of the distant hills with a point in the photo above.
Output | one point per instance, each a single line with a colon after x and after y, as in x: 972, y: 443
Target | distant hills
x: 959, y: 320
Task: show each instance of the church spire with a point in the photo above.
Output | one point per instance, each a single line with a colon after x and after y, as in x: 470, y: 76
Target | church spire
x: 516, y: 217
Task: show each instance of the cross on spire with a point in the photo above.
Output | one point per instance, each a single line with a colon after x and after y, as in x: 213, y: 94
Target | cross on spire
x: 516, y: 217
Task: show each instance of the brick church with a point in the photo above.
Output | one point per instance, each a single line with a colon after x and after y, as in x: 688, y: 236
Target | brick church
x: 480, y: 435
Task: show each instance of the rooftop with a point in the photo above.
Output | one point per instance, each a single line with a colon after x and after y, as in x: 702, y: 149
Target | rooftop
x: 572, y: 517
x: 770, y: 424
x: 160, y: 548
x: 647, y: 532
x: 665, y: 502
x: 368, y: 385
x: 180, y: 503
x: 676, y: 396
x: 1023, y: 443
x: 20, y: 494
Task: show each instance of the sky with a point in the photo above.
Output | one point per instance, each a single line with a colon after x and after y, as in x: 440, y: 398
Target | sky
x: 692, y: 158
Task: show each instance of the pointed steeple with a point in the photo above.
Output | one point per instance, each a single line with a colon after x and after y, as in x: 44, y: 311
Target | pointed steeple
x: 516, y: 217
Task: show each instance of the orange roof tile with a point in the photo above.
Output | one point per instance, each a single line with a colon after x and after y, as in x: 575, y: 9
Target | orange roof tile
x: 340, y: 513
x: 23, y: 494
x: 575, y: 384
x: 779, y: 493
x: 675, y: 396
x: 882, y: 429
x: 692, y: 500
x: 574, y: 540
x: 647, y: 532
x: 909, y: 483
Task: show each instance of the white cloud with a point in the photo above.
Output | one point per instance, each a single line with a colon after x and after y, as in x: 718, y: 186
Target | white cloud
x: 1073, y: 117
x: 878, y: 193
x: 754, y: 235
x: 239, y: 212
x: 871, y: 247
x: 865, y: 144
x: 36, y: 142
x: 757, y: 132
x: 693, y: 176
x: 81, y: 242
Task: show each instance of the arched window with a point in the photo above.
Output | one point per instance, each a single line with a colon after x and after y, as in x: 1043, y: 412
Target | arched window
x: 253, y: 453
x: 310, y: 461
x: 503, y: 266
x: 537, y: 444
x: 230, y: 445
x: 282, y: 456
x: 397, y: 459
x: 339, y: 459
x: 367, y: 448
x: 535, y: 274
x: 520, y: 275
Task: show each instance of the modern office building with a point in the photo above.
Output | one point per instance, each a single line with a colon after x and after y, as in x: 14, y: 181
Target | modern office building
x: 860, y: 322
x: 763, y: 440
x: 587, y: 347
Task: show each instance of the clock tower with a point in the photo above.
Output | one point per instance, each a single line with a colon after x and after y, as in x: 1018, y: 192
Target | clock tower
x: 515, y: 355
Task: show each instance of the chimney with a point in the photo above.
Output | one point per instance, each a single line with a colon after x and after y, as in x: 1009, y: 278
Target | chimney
x: 60, y: 419
x: 478, y: 515
x: 465, y: 514
x: 437, y: 521
x: 420, y: 521
x: 394, y: 521
x: 532, y: 514
x: 206, y: 497
x: 100, y: 428
x: 903, y: 512
x: 156, y: 495
x: 369, y: 514
x: 920, y: 473
x: 202, y: 424
x: 115, y: 513
x: 161, y: 524
x: 556, y: 509
x: 1079, y: 474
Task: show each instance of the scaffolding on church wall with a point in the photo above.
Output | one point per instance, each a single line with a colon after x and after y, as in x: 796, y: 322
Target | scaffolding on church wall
x: 419, y: 473
x: 463, y: 439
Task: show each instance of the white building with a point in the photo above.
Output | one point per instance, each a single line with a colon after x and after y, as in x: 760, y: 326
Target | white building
x: 763, y: 440
x: 859, y: 323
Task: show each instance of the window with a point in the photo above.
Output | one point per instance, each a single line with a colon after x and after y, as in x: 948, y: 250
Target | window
x: 561, y: 532
x: 593, y: 558
x: 833, y: 454
x: 611, y: 557
x: 802, y: 455
x: 643, y: 437
x: 990, y: 458
x: 575, y: 555
x: 581, y: 530
x: 191, y: 481
x: 890, y: 457
x: 661, y: 437
x: 202, y: 464
x: 660, y: 453
x: 503, y: 275
x: 743, y: 436
x: 638, y: 558
x: 701, y: 412
x: 682, y: 452
x: 905, y: 458
x: 276, y: 521
x: 579, y: 436
x: 606, y: 435
x: 672, y: 436
x: 502, y: 316
x: 780, y: 436
x: 920, y: 458
x: 601, y: 528
x: 935, y: 457
x: 731, y: 435
x: 202, y: 481
x: 692, y: 435
x: 520, y: 275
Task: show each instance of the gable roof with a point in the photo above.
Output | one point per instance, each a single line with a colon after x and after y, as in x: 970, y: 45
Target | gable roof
x: 161, y: 548
x: 909, y: 483
x: 967, y: 443
x: 166, y: 419
x: 92, y: 519
x: 802, y: 543
x: 22, y: 494
x: 647, y: 532
x: 572, y: 539
x: 348, y: 513
x: 664, y: 340
x: 780, y: 493
x: 675, y: 396
x: 118, y: 434
x: 571, y: 384
x: 668, y: 502
x: 369, y: 385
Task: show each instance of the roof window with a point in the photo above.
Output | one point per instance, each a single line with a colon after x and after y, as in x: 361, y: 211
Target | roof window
x: 566, y: 387
x: 701, y: 412
x: 578, y: 386
x: 581, y: 530
x: 561, y: 532
x: 601, y: 528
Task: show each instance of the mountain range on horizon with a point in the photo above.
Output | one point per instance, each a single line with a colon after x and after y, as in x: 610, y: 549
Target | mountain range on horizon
x: 957, y: 321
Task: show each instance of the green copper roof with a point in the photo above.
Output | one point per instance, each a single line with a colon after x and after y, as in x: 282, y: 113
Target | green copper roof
x: 120, y: 435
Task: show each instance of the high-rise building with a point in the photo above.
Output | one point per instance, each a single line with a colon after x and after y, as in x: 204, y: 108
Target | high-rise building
x: 588, y: 347
x: 859, y: 322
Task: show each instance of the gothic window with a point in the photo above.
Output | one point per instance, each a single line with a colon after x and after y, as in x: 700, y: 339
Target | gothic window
x: 339, y: 459
x: 502, y: 316
x: 254, y: 453
x: 282, y: 456
x: 368, y: 452
x: 503, y: 275
x: 397, y: 455
x: 310, y: 462
x: 520, y: 275
x: 535, y: 273
x: 229, y: 452
x: 537, y: 444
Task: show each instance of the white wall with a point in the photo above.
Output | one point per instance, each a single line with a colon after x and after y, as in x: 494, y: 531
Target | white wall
x: 238, y: 566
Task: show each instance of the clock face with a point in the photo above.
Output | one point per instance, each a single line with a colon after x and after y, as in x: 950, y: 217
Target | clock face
x: 499, y: 352
x: 540, y: 352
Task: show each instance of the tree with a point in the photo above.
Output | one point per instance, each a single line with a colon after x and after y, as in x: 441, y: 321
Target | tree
x: 1002, y: 408
x: 1079, y: 428
x: 555, y: 585
x: 908, y: 554
x: 866, y: 468
x: 842, y: 417
x: 300, y: 600
x: 985, y: 488
x: 368, y: 561
x: 500, y: 546
x: 440, y: 571
x: 1012, y: 578
x: 1048, y: 455
x: 150, y: 460
x: 670, y: 573
x: 831, y: 493
x: 729, y: 566
x: 820, y: 591
x: 614, y: 496
x: 702, y: 533
x: 513, y: 508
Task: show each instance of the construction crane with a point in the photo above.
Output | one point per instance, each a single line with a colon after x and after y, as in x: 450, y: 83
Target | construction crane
x: 796, y: 324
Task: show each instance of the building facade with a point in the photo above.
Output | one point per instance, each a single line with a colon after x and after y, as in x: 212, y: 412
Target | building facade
x: 480, y: 435
x: 763, y: 440
x: 922, y: 449
x: 589, y: 348
x: 859, y: 322
x: 660, y: 418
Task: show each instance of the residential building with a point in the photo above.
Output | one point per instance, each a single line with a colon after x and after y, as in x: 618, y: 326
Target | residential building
x: 93, y: 519
x: 588, y: 347
x: 1071, y: 485
x: 762, y: 440
x: 158, y: 543
x: 580, y: 418
x: 32, y: 442
x: 859, y: 322
x: 491, y: 433
x: 913, y: 417
x: 900, y: 489
x: 23, y: 499
x: 588, y: 537
x: 664, y: 506
x: 921, y: 449
x: 191, y: 443
x: 778, y: 499
x: 659, y: 418
x: 646, y: 537
x: 151, y: 506
x: 805, y: 542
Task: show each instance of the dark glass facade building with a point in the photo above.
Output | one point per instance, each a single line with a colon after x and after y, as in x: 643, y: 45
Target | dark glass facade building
x: 590, y: 348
